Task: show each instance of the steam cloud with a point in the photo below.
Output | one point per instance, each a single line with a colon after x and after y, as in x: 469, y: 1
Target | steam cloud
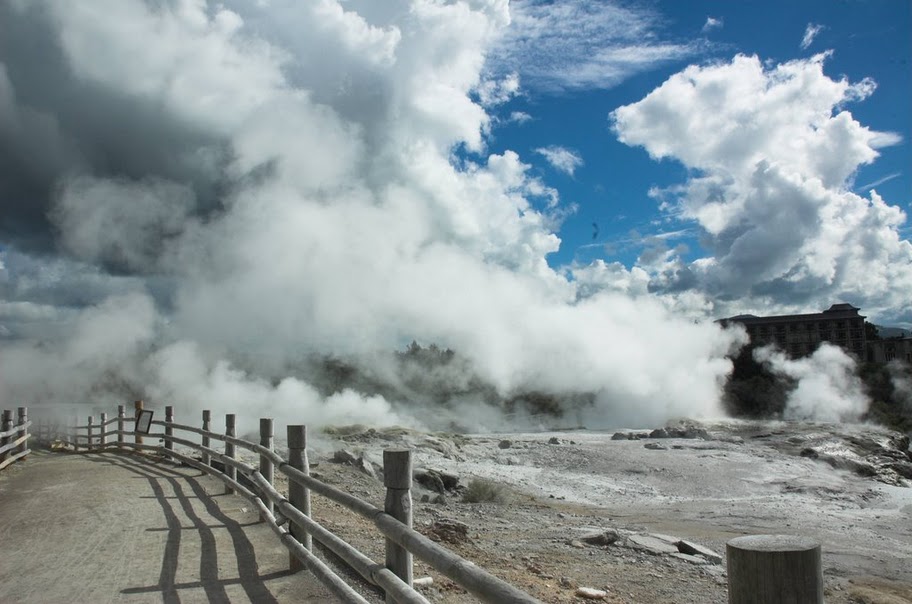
x: 200, y: 199
x: 828, y: 388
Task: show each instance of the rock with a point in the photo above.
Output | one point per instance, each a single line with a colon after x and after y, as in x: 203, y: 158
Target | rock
x: 423, y: 582
x: 577, y: 544
x: 450, y: 481
x: 695, y: 549
x: 666, y: 538
x: 505, y: 444
x: 345, y: 456
x: 444, y: 447
x: 651, y: 545
x: 692, y: 559
x: 808, y: 452
x: 656, y: 447
x: 366, y: 467
x: 697, y: 433
x: 448, y: 530
x: 658, y: 433
x: 554, y: 440
x: 902, y: 468
x: 425, y: 498
x: 591, y: 593
x: 606, y: 537
x: 566, y: 582
x: 439, y: 500
x: 429, y: 479
x: 619, y: 436
x: 436, y: 480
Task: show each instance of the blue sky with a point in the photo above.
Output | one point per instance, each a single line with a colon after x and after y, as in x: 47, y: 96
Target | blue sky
x: 867, y: 39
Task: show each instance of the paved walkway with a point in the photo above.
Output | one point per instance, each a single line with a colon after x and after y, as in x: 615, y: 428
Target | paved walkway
x: 109, y: 527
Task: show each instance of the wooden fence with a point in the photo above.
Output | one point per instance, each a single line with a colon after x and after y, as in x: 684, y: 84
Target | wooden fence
x: 14, y: 437
x: 289, y: 517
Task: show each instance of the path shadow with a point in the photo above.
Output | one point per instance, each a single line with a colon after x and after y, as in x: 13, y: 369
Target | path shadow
x: 159, y: 474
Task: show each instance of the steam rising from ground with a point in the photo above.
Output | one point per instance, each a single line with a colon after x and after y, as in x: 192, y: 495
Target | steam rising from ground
x: 827, y: 386
x: 233, y: 200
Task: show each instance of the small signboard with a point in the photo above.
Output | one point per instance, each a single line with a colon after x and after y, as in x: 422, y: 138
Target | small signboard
x: 143, y: 422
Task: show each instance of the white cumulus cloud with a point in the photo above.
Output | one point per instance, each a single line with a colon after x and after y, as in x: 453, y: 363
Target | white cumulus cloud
x: 774, y: 153
x: 561, y: 158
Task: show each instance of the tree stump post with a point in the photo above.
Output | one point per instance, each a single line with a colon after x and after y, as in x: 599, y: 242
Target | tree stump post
x: 298, y: 495
x: 23, y: 417
x: 266, y: 466
x: 230, y: 470
x: 102, y: 439
x: 75, y: 434
x: 7, y: 424
x: 207, y: 420
x: 137, y: 409
x: 774, y: 569
x: 169, y: 430
x: 397, y: 478
x: 121, y: 417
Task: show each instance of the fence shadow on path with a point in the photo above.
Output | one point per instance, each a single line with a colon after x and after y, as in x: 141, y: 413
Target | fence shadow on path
x: 161, y: 479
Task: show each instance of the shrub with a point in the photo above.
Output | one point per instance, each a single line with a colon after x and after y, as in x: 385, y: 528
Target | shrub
x: 482, y: 490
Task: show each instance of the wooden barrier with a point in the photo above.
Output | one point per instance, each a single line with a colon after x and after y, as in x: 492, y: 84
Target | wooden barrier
x: 397, y: 478
x: 774, y: 569
x: 298, y: 494
x: 393, y: 522
x: 14, y: 437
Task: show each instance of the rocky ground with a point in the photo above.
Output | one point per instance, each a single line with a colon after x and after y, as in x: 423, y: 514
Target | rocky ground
x: 642, y: 516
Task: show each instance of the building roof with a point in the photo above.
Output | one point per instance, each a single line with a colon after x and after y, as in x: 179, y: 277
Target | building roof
x: 836, y: 311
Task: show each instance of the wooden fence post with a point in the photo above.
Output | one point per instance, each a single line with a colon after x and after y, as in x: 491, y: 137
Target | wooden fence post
x: 207, y: 419
x: 397, y: 478
x: 169, y: 430
x: 137, y: 409
x: 266, y: 466
x: 298, y: 495
x: 121, y: 416
x: 7, y: 424
x: 23, y: 417
x: 102, y: 439
x: 90, y: 435
x: 230, y: 470
x: 76, y: 434
x: 773, y: 569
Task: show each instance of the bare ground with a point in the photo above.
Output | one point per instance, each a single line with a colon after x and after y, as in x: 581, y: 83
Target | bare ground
x: 739, y: 479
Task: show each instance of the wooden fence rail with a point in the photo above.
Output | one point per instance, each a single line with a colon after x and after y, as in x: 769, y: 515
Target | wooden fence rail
x: 290, y: 518
x: 14, y: 437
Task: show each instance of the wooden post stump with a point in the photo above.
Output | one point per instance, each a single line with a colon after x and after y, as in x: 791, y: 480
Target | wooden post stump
x: 4, y: 427
x: 121, y: 417
x: 169, y: 430
x: 76, y: 433
x: 298, y: 495
x: 266, y: 467
x: 230, y: 471
x: 397, y: 478
x: 137, y: 409
x: 102, y: 439
x: 774, y: 569
x: 90, y: 434
x: 207, y: 420
x: 23, y: 417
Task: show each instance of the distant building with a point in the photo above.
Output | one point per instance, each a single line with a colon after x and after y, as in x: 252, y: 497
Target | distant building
x: 800, y: 335
x: 891, y: 349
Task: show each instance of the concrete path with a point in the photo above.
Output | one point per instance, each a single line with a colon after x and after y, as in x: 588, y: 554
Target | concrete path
x: 109, y: 527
